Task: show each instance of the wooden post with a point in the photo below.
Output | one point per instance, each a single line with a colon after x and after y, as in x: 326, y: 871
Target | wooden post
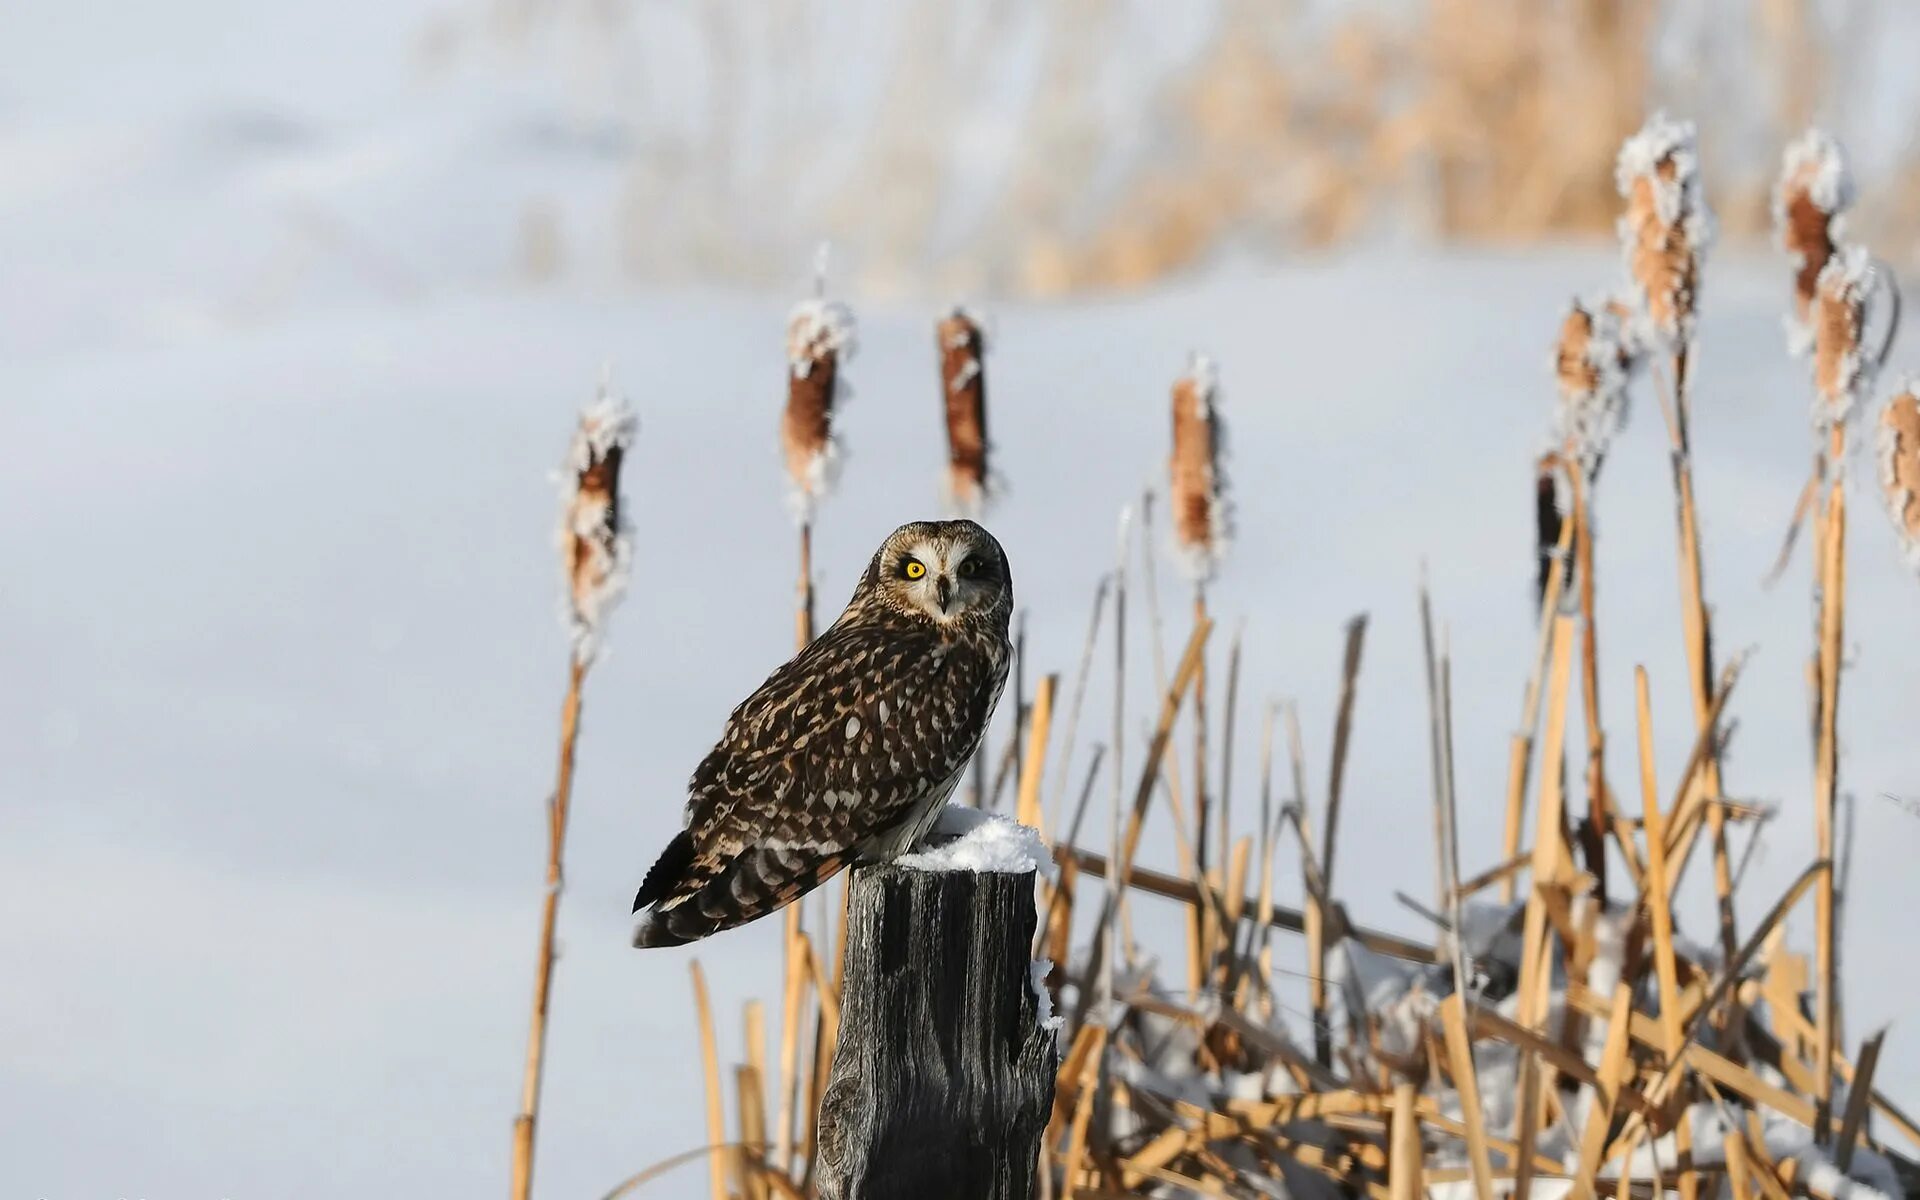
x: 943, y: 1079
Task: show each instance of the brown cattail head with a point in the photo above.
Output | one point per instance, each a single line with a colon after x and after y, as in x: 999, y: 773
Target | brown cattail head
x: 1196, y: 482
x: 963, y: 390
x: 1593, y: 362
x: 595, y: 547
x: 1667, y: 227
x: 1842, y: 370
x: 821, y: 337
x: 1814, y: 189
x: 1900, y: 465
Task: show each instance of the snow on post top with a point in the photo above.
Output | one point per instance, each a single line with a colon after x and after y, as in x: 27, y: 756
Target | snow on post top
x: 966, y: 839
x: 596, y: 548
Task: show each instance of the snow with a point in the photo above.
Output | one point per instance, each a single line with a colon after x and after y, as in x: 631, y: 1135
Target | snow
x: 1660, y: 140
x: 816, y: 326
x: 967, y: 839
x: 1817, y: 161
x: 1040, y: 968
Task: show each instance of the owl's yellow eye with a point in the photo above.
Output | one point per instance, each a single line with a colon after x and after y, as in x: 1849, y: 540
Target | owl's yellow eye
x: 915, y: 568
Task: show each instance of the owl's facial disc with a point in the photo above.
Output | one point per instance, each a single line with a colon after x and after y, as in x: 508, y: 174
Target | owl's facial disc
x: 946, y: 579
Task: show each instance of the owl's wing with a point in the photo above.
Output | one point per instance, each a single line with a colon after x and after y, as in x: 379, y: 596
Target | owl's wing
x: 838, y: 748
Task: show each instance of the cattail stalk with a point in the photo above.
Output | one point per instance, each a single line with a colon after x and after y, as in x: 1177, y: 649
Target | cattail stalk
x: 821, y: 337
x: 1842, y: 369
x: 962, y: 346
x: 596, y: 552
x: 1592, y: 363
x: 1666, y: 231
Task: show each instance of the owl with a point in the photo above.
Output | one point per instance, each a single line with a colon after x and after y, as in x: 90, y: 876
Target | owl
x: 848, y: 752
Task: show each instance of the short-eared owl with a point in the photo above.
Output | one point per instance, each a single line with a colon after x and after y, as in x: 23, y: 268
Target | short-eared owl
x: 848, y: 752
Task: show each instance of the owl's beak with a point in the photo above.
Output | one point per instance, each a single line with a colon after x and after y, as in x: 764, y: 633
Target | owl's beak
x: 943, y: 591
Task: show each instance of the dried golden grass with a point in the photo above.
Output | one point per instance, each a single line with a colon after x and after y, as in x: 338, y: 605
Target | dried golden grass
x: 963, y: 389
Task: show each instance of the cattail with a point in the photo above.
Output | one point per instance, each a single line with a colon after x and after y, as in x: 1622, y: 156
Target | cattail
x: 963, y: 386
x: 1197, y: 486
x: 1814, y: 189
x: 1592, y: 361
x: 821, y: 337
x: 1900, y: 465
x: 1667, y: 227
x: 595, y: 547
x: 1841, y: 307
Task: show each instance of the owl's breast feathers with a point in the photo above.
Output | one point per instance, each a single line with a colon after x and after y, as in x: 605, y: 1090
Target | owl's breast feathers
x: 854, y: 736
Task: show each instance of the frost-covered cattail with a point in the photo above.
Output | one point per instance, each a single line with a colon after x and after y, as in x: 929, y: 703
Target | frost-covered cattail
x: 1667, y: 227
x: 595, y: 547
x: 1842, y: 304
x: 1592, y: 361
x: 1900, y: 465
x: 963, y: 386
x: 1201, y: 520
x: 1814, y: 189
x: 821, y: 337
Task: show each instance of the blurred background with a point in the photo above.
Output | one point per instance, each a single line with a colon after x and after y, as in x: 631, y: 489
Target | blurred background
x: 991, y: 149
x: 297, y: 307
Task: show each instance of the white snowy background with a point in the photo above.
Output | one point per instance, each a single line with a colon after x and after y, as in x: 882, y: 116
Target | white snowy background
x: 277, y: 617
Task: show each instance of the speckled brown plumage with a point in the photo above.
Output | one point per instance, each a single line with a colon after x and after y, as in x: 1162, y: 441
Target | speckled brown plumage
x: 847, y: 752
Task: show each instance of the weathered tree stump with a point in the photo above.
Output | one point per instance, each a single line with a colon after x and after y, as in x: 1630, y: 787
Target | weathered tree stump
x: 943, y: 1077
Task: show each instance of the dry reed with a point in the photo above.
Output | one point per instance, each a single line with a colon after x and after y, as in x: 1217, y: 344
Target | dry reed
x: 962, y: 344
x: 595, y: 553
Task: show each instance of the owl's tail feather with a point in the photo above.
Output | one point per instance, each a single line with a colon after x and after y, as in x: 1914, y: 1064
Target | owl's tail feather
x: 688, y: 896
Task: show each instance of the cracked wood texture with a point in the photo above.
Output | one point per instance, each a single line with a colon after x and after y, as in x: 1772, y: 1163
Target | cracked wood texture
x: 943, y: 1076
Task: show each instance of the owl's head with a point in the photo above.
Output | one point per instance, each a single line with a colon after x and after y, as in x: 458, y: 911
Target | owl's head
x: 949, y: 572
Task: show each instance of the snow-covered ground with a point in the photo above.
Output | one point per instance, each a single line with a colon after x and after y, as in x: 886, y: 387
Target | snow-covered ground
x: 278, y: 616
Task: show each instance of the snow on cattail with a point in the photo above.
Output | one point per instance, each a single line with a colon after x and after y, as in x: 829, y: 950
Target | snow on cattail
x: 1842, y: 370
x: 963, y: 385
x: 1197, y: 485
x: 821, y: 337
x: 1900, y: 465
x: 595, y: 547
x: 1667, y: 227
x: 1592, y: 361
x: 1814, y: 189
